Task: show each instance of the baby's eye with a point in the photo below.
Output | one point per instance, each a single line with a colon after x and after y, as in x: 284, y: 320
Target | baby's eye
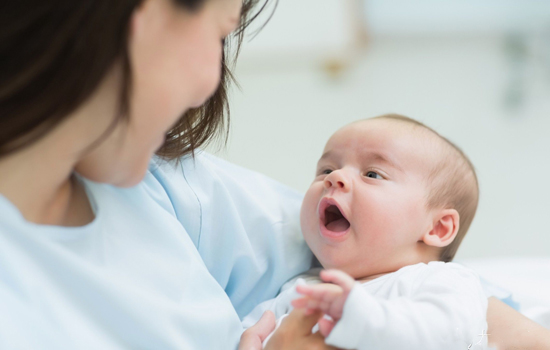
x: 373, y: 175
x: 326, y: 172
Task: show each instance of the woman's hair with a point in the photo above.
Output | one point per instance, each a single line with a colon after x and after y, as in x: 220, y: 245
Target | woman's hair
x: 54, y: 54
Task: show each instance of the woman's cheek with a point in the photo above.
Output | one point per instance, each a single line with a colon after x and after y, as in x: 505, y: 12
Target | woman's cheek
x: 208, y: 76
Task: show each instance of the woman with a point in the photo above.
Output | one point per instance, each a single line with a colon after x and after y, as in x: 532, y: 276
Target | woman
x: 97, y: 251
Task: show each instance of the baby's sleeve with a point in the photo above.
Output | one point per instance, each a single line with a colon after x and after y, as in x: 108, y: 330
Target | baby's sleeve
x: 445, y: 309
x: 280, y: 305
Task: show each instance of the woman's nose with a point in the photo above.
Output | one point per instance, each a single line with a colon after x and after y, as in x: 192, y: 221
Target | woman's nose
x: 337, y: 179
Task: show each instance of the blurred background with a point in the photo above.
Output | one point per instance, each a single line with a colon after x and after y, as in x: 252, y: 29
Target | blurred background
x: 477, y: 71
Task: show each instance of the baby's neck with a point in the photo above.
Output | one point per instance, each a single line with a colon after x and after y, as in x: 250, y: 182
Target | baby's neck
x: 426, y: 256
x: 372, y: 277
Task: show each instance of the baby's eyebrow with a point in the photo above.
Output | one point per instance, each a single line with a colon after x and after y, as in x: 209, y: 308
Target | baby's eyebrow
x: 328, y: 155
x: 369, y: 155
x: 382, y: 159
x: 325, y: 155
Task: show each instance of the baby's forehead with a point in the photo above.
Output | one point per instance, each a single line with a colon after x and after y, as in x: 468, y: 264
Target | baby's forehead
x: 413, y: 143
x: 387, y: 125
x: 381, y: 131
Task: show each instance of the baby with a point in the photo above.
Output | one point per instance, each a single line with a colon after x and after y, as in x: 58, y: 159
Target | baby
x: 385, y: 214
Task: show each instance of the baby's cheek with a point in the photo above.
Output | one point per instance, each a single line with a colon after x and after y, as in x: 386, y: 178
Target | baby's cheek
x: 376, y: 231
x: 306, y: 223
x: 308, y: 212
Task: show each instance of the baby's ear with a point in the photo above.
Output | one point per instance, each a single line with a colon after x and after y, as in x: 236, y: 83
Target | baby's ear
x: 445, y: 228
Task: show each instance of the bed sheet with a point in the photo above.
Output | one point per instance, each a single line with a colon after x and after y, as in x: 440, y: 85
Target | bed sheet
x: 528, y: 278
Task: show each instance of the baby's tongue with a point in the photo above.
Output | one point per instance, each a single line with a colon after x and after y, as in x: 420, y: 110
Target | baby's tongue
x: 338, y: 225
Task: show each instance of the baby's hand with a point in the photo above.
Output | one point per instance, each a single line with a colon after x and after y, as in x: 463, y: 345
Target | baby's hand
x: 328, y: 297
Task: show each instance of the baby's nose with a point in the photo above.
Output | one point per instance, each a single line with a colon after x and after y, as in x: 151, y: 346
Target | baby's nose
x: 336, y: 179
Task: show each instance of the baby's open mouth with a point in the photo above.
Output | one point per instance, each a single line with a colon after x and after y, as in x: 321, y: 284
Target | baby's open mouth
x: 334, y: 220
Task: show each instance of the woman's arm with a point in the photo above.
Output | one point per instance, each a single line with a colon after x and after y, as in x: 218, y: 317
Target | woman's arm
x: 510, y: 330
x: 293, y: 334
x: 253, y: 337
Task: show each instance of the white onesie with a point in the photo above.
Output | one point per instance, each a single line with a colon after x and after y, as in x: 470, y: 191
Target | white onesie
x: 424, y: 306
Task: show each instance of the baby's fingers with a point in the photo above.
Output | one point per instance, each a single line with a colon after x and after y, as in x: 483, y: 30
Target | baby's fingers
x: 299, y: 303
x: 339, y: 278
x: 307, y: 303
x: 310, y: 304
x: 325, y: 326
x: 323, y: 291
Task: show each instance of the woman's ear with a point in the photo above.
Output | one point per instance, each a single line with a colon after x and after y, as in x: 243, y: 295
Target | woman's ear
x: 444, y: 230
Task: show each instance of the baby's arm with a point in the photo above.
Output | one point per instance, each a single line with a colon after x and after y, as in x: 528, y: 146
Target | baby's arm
x: 445, y: 311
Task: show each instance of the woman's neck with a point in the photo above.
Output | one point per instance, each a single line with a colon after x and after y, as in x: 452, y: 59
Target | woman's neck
x: 39, y: 179
x: 43, y: 188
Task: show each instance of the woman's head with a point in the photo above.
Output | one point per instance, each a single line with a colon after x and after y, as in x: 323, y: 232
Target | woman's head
x: 156, y: 59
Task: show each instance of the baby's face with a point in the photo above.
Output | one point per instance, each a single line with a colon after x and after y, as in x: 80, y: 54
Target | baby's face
x: 365, y: 212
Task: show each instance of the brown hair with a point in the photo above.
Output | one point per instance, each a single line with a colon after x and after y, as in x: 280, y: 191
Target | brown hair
x: 54, y: 54
x: 453, y: 184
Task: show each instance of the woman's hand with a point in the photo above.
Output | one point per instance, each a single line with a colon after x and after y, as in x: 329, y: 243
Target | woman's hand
x: 295, y: 333
x: 253, y: 337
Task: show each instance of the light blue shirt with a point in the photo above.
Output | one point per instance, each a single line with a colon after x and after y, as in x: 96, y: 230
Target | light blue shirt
x: 172, y: 263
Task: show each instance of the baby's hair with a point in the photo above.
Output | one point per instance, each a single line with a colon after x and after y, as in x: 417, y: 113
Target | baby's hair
x: 452, y: 184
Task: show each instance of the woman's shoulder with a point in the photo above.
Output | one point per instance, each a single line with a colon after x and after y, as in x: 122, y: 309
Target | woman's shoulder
x: 240, y: 217
x: 212, y: 179
x: 205, y: 168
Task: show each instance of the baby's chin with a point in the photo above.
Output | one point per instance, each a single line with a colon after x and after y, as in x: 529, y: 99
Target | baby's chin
x: 343, y: 262
x: 329, y: 256
x: 335, y: 261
